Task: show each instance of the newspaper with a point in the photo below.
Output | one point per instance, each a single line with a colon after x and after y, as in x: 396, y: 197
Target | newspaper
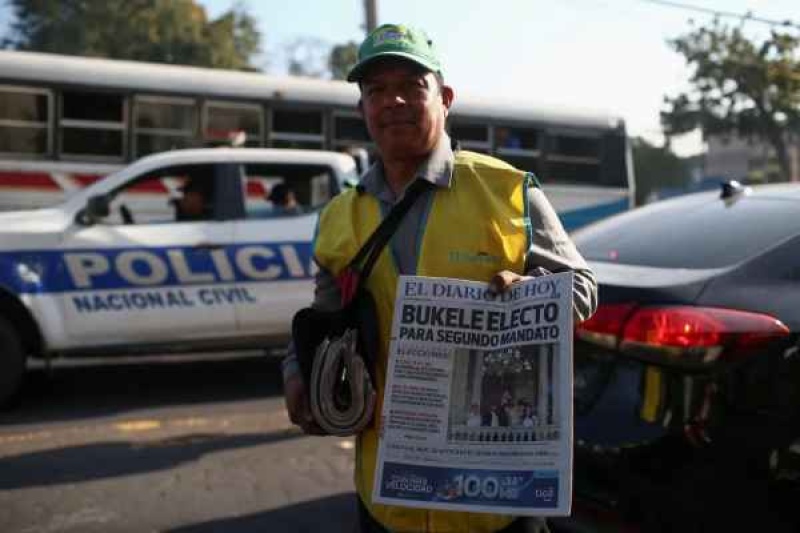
x: 477, y: 410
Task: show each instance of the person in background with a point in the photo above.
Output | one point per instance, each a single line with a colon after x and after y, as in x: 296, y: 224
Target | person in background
x: 507, y: 398
x: 495, y: 420
x: 486, y: 417
x: 527, y: 420
x: 504, y: 414
x: 474, y: 419
x: 505, y: 138
x: 461, y: 228
x: 284, y: 200
x: 195, y: 202
x: 517, y: 411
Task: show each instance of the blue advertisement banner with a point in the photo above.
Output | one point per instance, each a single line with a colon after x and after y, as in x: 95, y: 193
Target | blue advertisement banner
x: 487, y: 488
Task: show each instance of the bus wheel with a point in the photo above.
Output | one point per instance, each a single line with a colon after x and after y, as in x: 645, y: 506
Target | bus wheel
x: 12, y: 361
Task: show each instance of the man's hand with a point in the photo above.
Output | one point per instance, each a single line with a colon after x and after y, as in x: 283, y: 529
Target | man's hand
x: 294, y: 392
x: 505, y: 279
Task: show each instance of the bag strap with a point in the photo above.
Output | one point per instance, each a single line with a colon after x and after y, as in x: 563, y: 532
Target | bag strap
x: 360, y: 267
x: 380, y: 237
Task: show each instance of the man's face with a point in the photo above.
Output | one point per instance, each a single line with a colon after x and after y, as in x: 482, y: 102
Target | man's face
x: 404, y: 108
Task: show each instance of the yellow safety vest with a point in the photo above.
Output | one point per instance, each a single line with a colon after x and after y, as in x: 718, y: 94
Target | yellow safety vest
x: 473, y: 229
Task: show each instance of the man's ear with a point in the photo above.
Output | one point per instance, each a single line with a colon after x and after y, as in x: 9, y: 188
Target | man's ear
x: 361, y: 107
x: 447, y: 97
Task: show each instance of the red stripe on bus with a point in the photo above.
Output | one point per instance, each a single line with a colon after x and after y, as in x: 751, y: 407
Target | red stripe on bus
x: 148, y: 186
x: 86, y: 179
x: 28, y: 180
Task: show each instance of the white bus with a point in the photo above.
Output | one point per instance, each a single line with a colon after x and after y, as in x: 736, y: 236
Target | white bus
x: 67, y: 121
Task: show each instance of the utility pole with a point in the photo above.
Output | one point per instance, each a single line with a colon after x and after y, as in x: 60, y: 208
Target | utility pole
x: 371, y: 14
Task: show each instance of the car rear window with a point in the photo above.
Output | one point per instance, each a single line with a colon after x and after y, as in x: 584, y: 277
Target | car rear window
x: 697, y: 232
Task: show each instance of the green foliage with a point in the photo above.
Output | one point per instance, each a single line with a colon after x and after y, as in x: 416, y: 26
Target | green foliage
x: 739, y: 87
x: 343, y: 57
x: 165, y: 31
x: 655, y: 168
x: 307, y: 56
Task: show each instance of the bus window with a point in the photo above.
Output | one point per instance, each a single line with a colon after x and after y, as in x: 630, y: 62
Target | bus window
x: 518, y: 146
x: 222, y: 119
x: 350, y: 136
x: 297, y: 129
x: 614, y: 164
x: 573, y: 146
x: 350, y: 130
x: 573, y: 159
x: 473, y: 137
x: 527, y: 163
x: 93, y: 124
x: 509, y: 140
x: 25, y: 120
x: 161, y: 123
x: 166, y: 195
x: 572, y: 172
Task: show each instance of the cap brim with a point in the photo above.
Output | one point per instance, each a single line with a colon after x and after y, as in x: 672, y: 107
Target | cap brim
x: 357, y: 72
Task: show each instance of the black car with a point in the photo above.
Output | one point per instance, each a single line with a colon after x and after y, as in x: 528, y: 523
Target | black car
x: 687, y: 380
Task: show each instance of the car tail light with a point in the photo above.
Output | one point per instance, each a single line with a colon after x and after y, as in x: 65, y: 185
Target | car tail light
x: 683, y: 334
x: 605, y: 326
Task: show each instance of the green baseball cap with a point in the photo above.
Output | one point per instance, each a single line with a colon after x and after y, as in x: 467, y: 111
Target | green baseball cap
x: 396, y: 40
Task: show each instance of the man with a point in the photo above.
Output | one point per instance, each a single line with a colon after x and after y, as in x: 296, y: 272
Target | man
x: 483, y: 220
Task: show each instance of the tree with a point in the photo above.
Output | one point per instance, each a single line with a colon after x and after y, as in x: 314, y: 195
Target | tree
x: 739, y: 87
x: 656, y: 167
x: 234, y: 39
x: 306, y: 56
x: 343, y: 57
x: 165, y: 31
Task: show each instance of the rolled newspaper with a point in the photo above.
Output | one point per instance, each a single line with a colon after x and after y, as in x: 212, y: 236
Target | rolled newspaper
x: 341, y: 391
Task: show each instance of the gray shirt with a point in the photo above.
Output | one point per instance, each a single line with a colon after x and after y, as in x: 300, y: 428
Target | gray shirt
x: 551, y: 249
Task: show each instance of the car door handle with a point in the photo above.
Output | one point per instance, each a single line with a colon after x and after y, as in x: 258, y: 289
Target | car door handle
x: 208, y: 246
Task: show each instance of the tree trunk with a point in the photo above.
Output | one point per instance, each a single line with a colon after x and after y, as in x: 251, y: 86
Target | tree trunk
x: 782, y: 153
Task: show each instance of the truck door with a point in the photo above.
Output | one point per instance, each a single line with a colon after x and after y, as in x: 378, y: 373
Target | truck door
x: 156, y: 268
x: 278, y: 226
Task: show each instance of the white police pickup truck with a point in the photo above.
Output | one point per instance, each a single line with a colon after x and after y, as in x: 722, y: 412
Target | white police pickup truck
x: 184, y: 250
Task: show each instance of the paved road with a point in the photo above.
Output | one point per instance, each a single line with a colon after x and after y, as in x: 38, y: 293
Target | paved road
x: 192, y: 447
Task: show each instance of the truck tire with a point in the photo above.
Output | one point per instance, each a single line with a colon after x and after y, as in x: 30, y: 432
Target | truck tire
x: 12, y: 361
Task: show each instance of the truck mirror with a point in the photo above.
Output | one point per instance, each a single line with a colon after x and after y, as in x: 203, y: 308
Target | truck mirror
x: 98, y: 207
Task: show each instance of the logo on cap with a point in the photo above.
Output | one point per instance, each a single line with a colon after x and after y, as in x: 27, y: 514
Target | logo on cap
x: 389, y: 34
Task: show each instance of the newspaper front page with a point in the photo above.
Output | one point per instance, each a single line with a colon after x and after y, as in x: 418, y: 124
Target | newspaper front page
x: 477, y: 412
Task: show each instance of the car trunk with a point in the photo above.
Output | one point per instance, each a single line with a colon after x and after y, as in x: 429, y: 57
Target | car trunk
x: 642, y: 430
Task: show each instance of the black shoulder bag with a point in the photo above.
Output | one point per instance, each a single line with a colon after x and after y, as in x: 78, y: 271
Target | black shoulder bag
x: 336, y: 350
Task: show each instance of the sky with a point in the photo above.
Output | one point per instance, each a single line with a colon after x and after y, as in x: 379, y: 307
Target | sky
x: 604, y: 55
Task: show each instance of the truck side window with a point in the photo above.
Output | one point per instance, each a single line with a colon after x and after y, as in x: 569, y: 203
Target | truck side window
x: 286, y: 190
x: 167, y: 195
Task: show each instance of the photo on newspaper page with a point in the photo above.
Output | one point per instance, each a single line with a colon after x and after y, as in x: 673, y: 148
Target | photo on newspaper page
x: 477, y: 409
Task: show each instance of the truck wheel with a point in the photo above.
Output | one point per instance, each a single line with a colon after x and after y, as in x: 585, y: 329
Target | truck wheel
x: 12, y: 361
